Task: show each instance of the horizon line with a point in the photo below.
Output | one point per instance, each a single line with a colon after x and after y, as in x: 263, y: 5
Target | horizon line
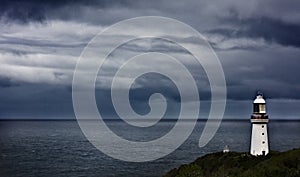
x: 118, y: 119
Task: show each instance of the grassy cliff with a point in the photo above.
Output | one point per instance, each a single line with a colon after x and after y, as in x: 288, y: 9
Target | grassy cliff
x: 234, y: 164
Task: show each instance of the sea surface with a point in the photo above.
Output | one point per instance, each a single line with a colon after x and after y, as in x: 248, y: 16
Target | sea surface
x: 59, y: 148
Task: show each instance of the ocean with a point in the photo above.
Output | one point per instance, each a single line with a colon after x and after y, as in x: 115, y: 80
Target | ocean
x: 59, y: 148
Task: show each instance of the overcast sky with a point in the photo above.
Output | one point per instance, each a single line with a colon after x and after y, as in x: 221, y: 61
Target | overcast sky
x: 256, y: 41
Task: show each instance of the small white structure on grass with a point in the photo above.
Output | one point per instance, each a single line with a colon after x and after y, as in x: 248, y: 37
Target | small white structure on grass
x: 226, y: 149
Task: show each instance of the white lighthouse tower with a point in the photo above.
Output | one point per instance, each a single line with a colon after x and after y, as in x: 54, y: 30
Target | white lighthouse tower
x: 259, y: 121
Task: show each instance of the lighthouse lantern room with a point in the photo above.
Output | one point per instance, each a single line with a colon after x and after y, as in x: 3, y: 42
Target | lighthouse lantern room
x: 259, y: 121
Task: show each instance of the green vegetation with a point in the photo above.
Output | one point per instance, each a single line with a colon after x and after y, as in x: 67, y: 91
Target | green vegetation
x: 234, y: 164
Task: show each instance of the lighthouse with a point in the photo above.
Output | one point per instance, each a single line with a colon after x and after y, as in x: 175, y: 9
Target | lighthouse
x: 259, y: 121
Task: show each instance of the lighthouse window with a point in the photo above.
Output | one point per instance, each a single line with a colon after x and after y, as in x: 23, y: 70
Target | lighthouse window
x: 255, y: 108
x: 263, y: 142
x: 263, y: 133
x: 262, y: 126
x: 262, y: 108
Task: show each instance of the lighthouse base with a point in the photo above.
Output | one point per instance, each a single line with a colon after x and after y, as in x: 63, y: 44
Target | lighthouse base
x: 259, y: 139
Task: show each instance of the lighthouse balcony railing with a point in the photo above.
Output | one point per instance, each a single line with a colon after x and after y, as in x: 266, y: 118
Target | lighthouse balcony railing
x: 259, y: 116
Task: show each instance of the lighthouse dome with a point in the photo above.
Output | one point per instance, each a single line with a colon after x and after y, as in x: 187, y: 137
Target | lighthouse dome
x: 259, y: 99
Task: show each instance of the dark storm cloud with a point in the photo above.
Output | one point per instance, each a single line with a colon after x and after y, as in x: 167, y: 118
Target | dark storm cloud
x: 273, y: 70
x: 13, y: 51
x: 278, y: 27
x: 270, y: 66
x: 7, y: 82
x: 36, y: 101
x: 39, y: 10
x: 21, y: 11
x: 271, y: 30
x: 38, y: 43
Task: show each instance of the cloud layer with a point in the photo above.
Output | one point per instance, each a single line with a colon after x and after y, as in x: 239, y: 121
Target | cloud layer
x: 256, y: 41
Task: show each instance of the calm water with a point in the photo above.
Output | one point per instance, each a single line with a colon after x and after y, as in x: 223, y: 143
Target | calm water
x: 58, y: 148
